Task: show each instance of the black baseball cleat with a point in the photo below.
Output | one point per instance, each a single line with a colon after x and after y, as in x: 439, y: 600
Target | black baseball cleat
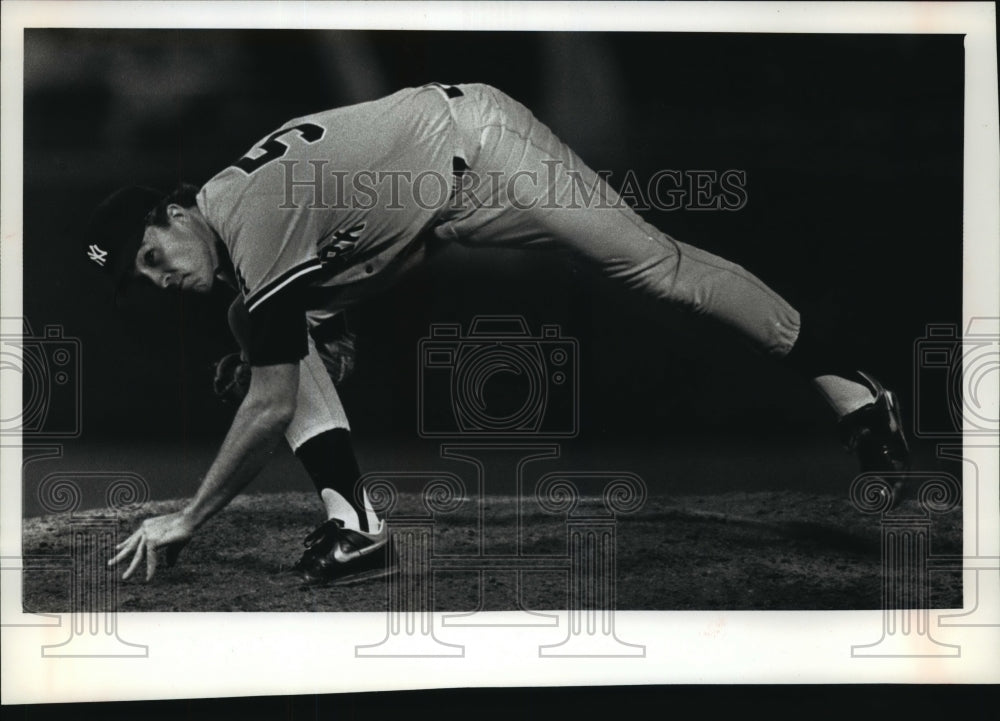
x: 875, y: 433
x: 336, y: 555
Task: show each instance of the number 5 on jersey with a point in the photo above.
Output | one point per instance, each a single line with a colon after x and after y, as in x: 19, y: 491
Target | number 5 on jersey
x: 273, y: 148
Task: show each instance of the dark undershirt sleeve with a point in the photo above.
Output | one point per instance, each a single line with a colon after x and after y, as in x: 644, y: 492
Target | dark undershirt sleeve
x: 278, y: 330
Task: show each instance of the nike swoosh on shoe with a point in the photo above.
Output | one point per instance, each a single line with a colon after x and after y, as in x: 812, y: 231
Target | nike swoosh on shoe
x: 355, y: 544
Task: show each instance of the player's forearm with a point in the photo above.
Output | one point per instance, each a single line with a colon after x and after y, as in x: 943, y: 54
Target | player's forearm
x: 256, y: 430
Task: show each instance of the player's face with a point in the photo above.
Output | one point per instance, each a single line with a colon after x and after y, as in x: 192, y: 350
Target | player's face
x: 179, y: 257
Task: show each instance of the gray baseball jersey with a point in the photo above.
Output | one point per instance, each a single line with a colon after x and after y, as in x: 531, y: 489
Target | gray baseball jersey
x: 334, y: 206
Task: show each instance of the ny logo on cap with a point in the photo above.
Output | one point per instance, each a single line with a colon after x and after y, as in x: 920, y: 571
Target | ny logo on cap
x: 97, y: 255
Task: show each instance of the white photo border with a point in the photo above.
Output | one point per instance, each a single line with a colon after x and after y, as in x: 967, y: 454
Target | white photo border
x: 196, y: 655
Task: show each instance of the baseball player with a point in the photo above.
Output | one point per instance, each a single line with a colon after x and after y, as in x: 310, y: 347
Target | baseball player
x: 331, y: 208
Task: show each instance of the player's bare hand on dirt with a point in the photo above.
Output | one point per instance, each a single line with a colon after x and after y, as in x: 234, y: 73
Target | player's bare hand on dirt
x: 171, y: 532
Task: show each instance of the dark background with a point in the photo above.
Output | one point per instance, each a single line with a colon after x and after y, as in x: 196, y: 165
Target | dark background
x: 852, y: 147
x: 539, y: 703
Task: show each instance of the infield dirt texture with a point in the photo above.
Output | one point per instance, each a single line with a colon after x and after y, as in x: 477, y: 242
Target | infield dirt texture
x: 737, y: 551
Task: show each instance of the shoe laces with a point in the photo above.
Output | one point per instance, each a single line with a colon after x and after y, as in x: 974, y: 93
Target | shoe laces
x: 323, y: 532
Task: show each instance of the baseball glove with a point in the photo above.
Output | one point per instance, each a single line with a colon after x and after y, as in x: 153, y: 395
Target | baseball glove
x: 232, y: 378
x: 336, y: 345
x: 338, y: 356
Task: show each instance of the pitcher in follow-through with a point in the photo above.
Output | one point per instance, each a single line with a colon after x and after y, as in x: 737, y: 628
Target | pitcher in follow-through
x: 333, y: 207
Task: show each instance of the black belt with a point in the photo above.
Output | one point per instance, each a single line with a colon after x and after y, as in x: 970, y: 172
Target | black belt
x: 450, y: 90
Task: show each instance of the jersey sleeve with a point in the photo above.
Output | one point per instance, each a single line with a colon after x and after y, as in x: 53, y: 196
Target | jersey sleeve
x: 278, y: 330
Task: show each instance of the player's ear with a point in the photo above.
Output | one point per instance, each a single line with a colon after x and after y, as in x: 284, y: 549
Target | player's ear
x: 176, y: 211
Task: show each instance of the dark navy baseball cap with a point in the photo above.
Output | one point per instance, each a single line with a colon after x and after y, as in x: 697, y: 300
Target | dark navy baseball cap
x: 115, y: 230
